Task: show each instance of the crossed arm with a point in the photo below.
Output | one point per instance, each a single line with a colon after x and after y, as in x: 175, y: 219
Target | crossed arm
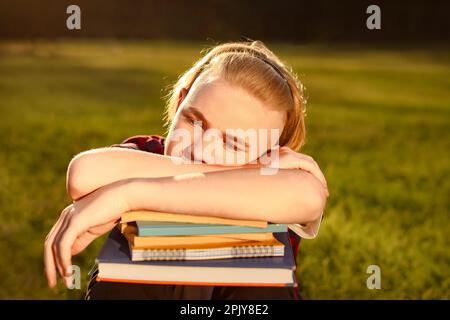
x: 104, y: 183
x: 155, y: 182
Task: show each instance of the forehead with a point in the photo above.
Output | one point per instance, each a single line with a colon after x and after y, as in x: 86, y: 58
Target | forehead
x: 225, y: 106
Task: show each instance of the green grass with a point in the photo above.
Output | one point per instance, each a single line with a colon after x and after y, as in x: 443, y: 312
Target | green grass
x: 378, y: 124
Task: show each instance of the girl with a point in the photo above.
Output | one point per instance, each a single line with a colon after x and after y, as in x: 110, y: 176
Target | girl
x: 235, y: 86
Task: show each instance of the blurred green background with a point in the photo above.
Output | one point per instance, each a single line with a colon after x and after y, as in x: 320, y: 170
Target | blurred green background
x: 378, y: 124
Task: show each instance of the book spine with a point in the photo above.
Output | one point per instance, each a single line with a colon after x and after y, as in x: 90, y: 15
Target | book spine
x: 188, y: 283
x: 186, y: 231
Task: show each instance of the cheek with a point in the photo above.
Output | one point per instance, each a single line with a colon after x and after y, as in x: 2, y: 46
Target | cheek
x: 179, y: 136
x: 265, y: 142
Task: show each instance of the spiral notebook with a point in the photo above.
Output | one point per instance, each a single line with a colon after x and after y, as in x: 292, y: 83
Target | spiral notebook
x: 244, y: 249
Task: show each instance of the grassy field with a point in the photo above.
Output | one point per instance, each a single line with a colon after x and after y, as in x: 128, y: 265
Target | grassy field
x: 378, y: 124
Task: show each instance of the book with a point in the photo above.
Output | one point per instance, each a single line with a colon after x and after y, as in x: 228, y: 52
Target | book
x: 145, y: 215
x: 243, y: 249
x: 171, y: 241
x: 131, y: 228
x: 307, y: 231
x: 151, y: 228
x: 114, y: 264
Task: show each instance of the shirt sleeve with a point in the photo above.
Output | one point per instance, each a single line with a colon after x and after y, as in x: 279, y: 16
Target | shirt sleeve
x: 153, y: 143
x: 308, y: 230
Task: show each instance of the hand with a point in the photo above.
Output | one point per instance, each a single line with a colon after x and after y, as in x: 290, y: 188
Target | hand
x: 289, y: 159
x: 78, y: 225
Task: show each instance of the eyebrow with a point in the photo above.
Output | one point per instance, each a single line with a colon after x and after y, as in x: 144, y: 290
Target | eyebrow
x: 197, y: 114
x: 192, y: 111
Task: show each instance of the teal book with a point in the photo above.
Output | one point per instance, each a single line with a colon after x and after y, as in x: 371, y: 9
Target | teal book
x: 153, y: 229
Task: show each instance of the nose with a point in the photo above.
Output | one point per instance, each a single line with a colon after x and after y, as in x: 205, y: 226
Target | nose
x: 193, y: 153
x: 188, y: 153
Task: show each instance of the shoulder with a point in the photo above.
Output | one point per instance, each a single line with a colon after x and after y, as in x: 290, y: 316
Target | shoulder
x: 149, y: 143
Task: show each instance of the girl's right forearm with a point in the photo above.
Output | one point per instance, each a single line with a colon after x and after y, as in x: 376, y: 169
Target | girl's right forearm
x: 96, y: 168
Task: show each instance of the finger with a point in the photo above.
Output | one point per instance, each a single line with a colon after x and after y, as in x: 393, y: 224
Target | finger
x: 314, y: 169
x: 55, y: 246
x: 65, y: 250
x: 50, y: 269
x: 287, y: 149
x: 81, y: 242
x: 49, y: 258
x: 58, y: 222
x: 309, y: 158
x: 320, y: 174
x: 85, y: 238
x: 66, y: 241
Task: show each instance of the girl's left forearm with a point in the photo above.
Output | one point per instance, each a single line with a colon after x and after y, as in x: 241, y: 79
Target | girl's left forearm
x: 290, y: 196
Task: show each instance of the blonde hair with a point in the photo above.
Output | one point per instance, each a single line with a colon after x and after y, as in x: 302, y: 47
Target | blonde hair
x: 252, y: 66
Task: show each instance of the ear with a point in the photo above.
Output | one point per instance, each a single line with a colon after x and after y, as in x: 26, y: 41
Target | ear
x: 181, y: 96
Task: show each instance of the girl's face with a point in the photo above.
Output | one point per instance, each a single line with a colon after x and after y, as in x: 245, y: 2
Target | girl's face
x: 217, y: 123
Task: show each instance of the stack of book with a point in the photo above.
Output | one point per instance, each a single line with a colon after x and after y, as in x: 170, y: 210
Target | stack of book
x: 167, y: 248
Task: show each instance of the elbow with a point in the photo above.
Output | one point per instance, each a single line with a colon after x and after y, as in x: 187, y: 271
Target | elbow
x: 76, y: 176
x: 316, y: 203
x: 312, y: 199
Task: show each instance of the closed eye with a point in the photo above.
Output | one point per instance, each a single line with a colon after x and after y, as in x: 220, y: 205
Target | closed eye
x: 189, y: 119
x: 231, y: 145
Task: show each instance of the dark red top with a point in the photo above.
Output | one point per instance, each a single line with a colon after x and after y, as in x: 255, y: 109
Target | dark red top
x: 155, y: 144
